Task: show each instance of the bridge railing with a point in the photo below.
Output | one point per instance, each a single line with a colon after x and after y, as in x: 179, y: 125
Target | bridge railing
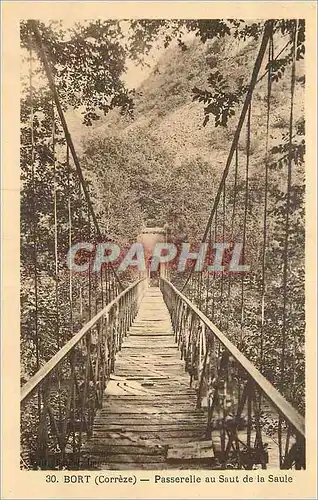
x: 249, y: 421
x: 59, y: 402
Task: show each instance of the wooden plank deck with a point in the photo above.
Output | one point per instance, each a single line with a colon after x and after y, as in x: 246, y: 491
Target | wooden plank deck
x: 149, y: 418
x: 148, y: 406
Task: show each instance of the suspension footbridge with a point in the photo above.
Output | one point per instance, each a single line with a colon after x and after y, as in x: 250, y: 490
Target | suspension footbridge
x: 147, y: 375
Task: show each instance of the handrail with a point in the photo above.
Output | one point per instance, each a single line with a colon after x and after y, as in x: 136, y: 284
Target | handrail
x: 289, y: 413
x: 43, y: 372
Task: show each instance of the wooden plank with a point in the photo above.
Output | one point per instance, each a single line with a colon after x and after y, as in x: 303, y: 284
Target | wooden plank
x: 132, y: 347
x: 133, y: 458
x: 107, y: 447
x: 185, y: 404
x: 158, y: 434
x: 97, y: 463
x: 152, y: 419
x: 136, y: 412
x: 150, y: 426
x: 196, y: 450
x: 169, y: 404
x: 156, y: 398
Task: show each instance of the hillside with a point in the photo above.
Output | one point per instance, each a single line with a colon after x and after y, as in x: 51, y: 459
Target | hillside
x: 167, y: 119
x: 164, y: 167
x: 163, y: 102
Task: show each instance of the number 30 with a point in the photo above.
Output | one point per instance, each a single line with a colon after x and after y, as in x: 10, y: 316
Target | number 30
x: 50, y: 479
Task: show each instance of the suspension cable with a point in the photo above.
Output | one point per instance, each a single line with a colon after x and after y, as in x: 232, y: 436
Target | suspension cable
x: 89, y: 268
x: 232, y: 230
x: 80, y: 229
x: 235, y: 191
x: 259, y: 59
x: 214, y: 273
x: 287, y: 220
x: 223, y: 238
x: 263, y: 279
x: 34, y: 226
x: 246, y: 202
x: 56, y: 256
x: 208, y: 274
x: 34, y: 27
x: 286, y: 240
x: 69, y: 233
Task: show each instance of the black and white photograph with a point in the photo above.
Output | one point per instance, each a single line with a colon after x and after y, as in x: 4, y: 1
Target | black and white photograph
x: 162, y: 247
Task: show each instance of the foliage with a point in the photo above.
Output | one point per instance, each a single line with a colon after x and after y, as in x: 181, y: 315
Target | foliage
x: 77, y: 54
x: 134, y: 180
x: 219, y: 101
